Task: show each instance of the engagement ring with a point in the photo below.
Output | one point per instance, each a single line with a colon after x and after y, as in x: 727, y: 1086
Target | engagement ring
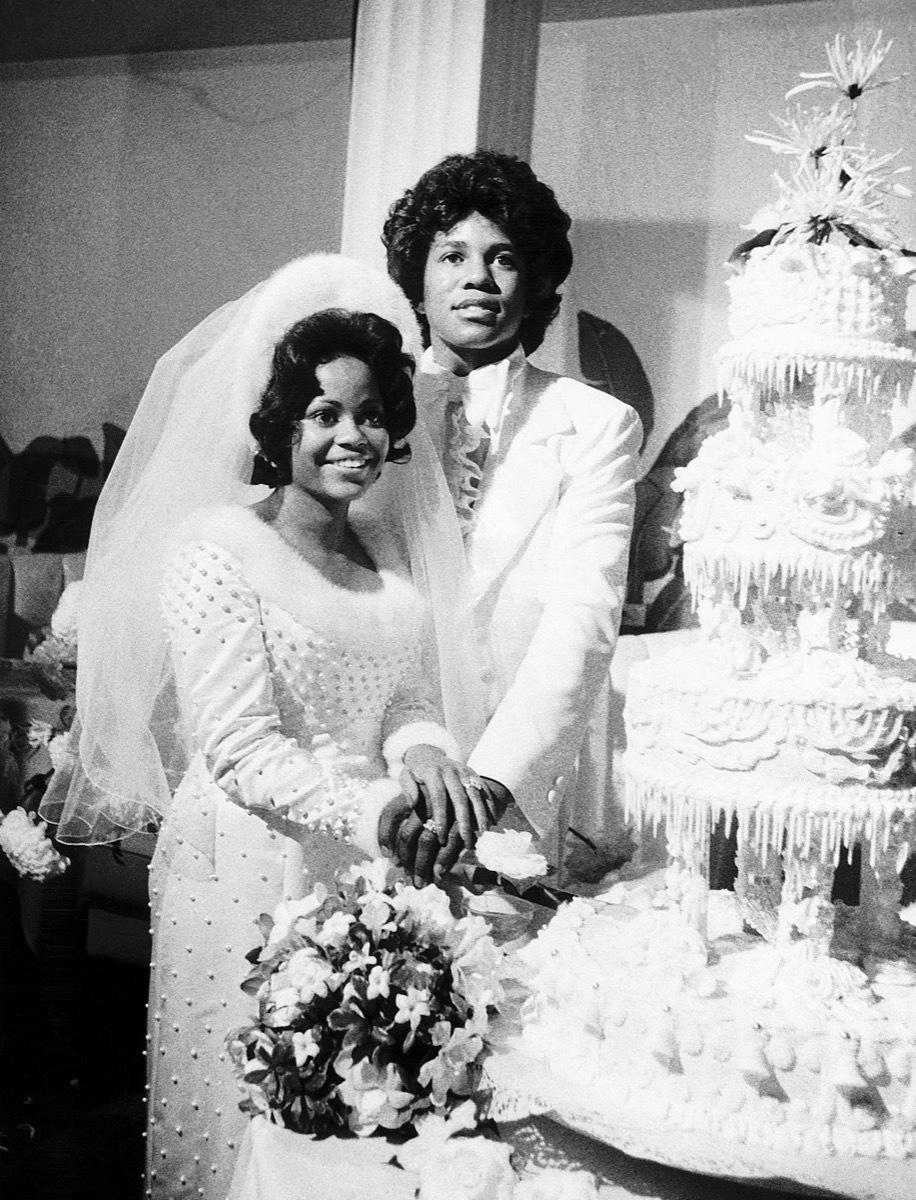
x: 429, y: 826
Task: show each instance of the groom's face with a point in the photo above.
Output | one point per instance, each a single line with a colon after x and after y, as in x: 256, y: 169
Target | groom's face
x: 474, y: 294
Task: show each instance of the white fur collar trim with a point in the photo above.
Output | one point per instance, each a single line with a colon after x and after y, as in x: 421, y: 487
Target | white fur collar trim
x: 387, y: 609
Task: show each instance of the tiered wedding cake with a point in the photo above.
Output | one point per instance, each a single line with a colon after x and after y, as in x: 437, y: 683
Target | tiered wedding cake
x: 772, y: 1031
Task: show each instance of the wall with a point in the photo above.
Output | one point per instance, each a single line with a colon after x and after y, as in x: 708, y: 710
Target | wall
x: 138, y: 194
x: 640, y: 125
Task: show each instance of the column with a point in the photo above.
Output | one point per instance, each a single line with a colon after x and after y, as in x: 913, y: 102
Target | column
x: 430, y: 78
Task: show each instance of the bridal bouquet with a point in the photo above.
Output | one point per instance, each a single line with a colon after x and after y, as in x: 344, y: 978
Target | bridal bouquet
x: 373, y: 1007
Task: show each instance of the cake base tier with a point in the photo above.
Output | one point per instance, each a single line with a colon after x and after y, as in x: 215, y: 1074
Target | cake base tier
x: 707, y: 1154
x: 727, y: 1060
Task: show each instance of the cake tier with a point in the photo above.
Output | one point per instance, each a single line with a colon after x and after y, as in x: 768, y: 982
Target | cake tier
x: 833, y: 310
x: 732, y: 1057
x: 801, y: 494
x: 811, y: 752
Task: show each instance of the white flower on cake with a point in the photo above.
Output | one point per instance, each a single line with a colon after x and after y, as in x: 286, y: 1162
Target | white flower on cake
x: 468, y: 1169
x: 458, y: 1168
x: 453, y: 1167
x: 825, y: 195
x: 836, y: 187
x: 852, y: 72
x: 23, y: 841
x: 807, y: 134
x: 510, y: 853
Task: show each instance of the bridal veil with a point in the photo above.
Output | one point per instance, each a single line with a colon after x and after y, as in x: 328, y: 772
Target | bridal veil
x: 187, y: 446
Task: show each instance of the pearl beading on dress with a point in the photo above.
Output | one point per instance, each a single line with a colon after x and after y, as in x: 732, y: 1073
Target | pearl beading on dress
x: 293, y: 727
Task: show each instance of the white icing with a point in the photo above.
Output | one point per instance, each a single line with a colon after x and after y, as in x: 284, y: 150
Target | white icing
x: 789, y: 722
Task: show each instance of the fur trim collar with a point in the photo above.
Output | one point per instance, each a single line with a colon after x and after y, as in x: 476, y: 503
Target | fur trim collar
x: 385, y: 607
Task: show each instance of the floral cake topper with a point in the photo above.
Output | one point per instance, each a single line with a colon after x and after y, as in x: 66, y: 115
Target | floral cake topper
x: 832, y: 185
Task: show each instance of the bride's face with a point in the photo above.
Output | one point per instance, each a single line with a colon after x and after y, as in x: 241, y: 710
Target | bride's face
x: 342, y: 437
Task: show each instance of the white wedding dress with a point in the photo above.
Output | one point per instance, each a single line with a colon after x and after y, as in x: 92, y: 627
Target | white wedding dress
x: 293, y: 690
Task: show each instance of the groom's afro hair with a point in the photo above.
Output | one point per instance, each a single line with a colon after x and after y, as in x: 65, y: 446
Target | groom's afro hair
x: 506, y: 191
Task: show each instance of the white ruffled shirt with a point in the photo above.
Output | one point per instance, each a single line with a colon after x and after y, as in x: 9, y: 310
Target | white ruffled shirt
x: 465, y: 415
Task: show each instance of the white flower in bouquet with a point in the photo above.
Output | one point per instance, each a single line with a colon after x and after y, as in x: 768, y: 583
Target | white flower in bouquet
x: 23, y: 841
x: 309, y: 975
x: 378, y: 983
x: 428, y: 909
x: 305, y: 1047
x: 335, y: 929
x: 413, y: 1006
x: 373, y: 873
x: 376, y: 1096
x: 295, y: 914
x: 510, y: 853
x: 285, y: 1006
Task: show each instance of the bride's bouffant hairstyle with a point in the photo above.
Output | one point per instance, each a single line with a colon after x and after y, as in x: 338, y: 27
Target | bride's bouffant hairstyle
x: 293, y: 384
x: 506, y: 191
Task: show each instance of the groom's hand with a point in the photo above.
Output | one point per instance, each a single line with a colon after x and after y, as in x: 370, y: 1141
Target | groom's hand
x: 411, y: 837
x: 449, y: 793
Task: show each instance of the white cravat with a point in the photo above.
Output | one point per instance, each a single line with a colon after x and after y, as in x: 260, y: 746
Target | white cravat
x: 466, y: 414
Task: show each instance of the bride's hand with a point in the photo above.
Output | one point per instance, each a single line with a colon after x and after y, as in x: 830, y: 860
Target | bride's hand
x: 499, y: 798
x: 405, y: 838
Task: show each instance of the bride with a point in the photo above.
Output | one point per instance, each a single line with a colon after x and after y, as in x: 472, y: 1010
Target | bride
x: 265, y: 651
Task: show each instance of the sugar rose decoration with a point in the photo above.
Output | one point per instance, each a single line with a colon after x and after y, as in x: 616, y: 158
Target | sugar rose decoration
x: 452, y: 1166
x: 373, y: 1006
x: 510, y: 853
x: 474, y: 1168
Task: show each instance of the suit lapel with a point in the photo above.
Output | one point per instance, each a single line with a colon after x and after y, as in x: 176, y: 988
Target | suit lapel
x: 526, y: 477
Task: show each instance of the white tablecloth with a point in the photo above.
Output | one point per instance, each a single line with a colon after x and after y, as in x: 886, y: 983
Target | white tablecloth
x: 275, y: 1164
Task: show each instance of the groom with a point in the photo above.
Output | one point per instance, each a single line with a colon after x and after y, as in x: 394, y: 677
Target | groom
x: 541, y: 470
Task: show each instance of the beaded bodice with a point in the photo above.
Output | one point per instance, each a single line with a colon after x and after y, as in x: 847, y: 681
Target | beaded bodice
x: 343, y: 691
x: 291, y: 686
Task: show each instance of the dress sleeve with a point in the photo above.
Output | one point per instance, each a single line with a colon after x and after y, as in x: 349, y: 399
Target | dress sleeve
x: 412, y: 717
x: 225, y: 688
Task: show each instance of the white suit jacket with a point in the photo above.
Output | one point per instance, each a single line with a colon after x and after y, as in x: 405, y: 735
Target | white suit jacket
x: 548, y: 558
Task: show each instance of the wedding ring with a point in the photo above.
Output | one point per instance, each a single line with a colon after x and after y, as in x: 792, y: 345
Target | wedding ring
x: 430, y: 826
